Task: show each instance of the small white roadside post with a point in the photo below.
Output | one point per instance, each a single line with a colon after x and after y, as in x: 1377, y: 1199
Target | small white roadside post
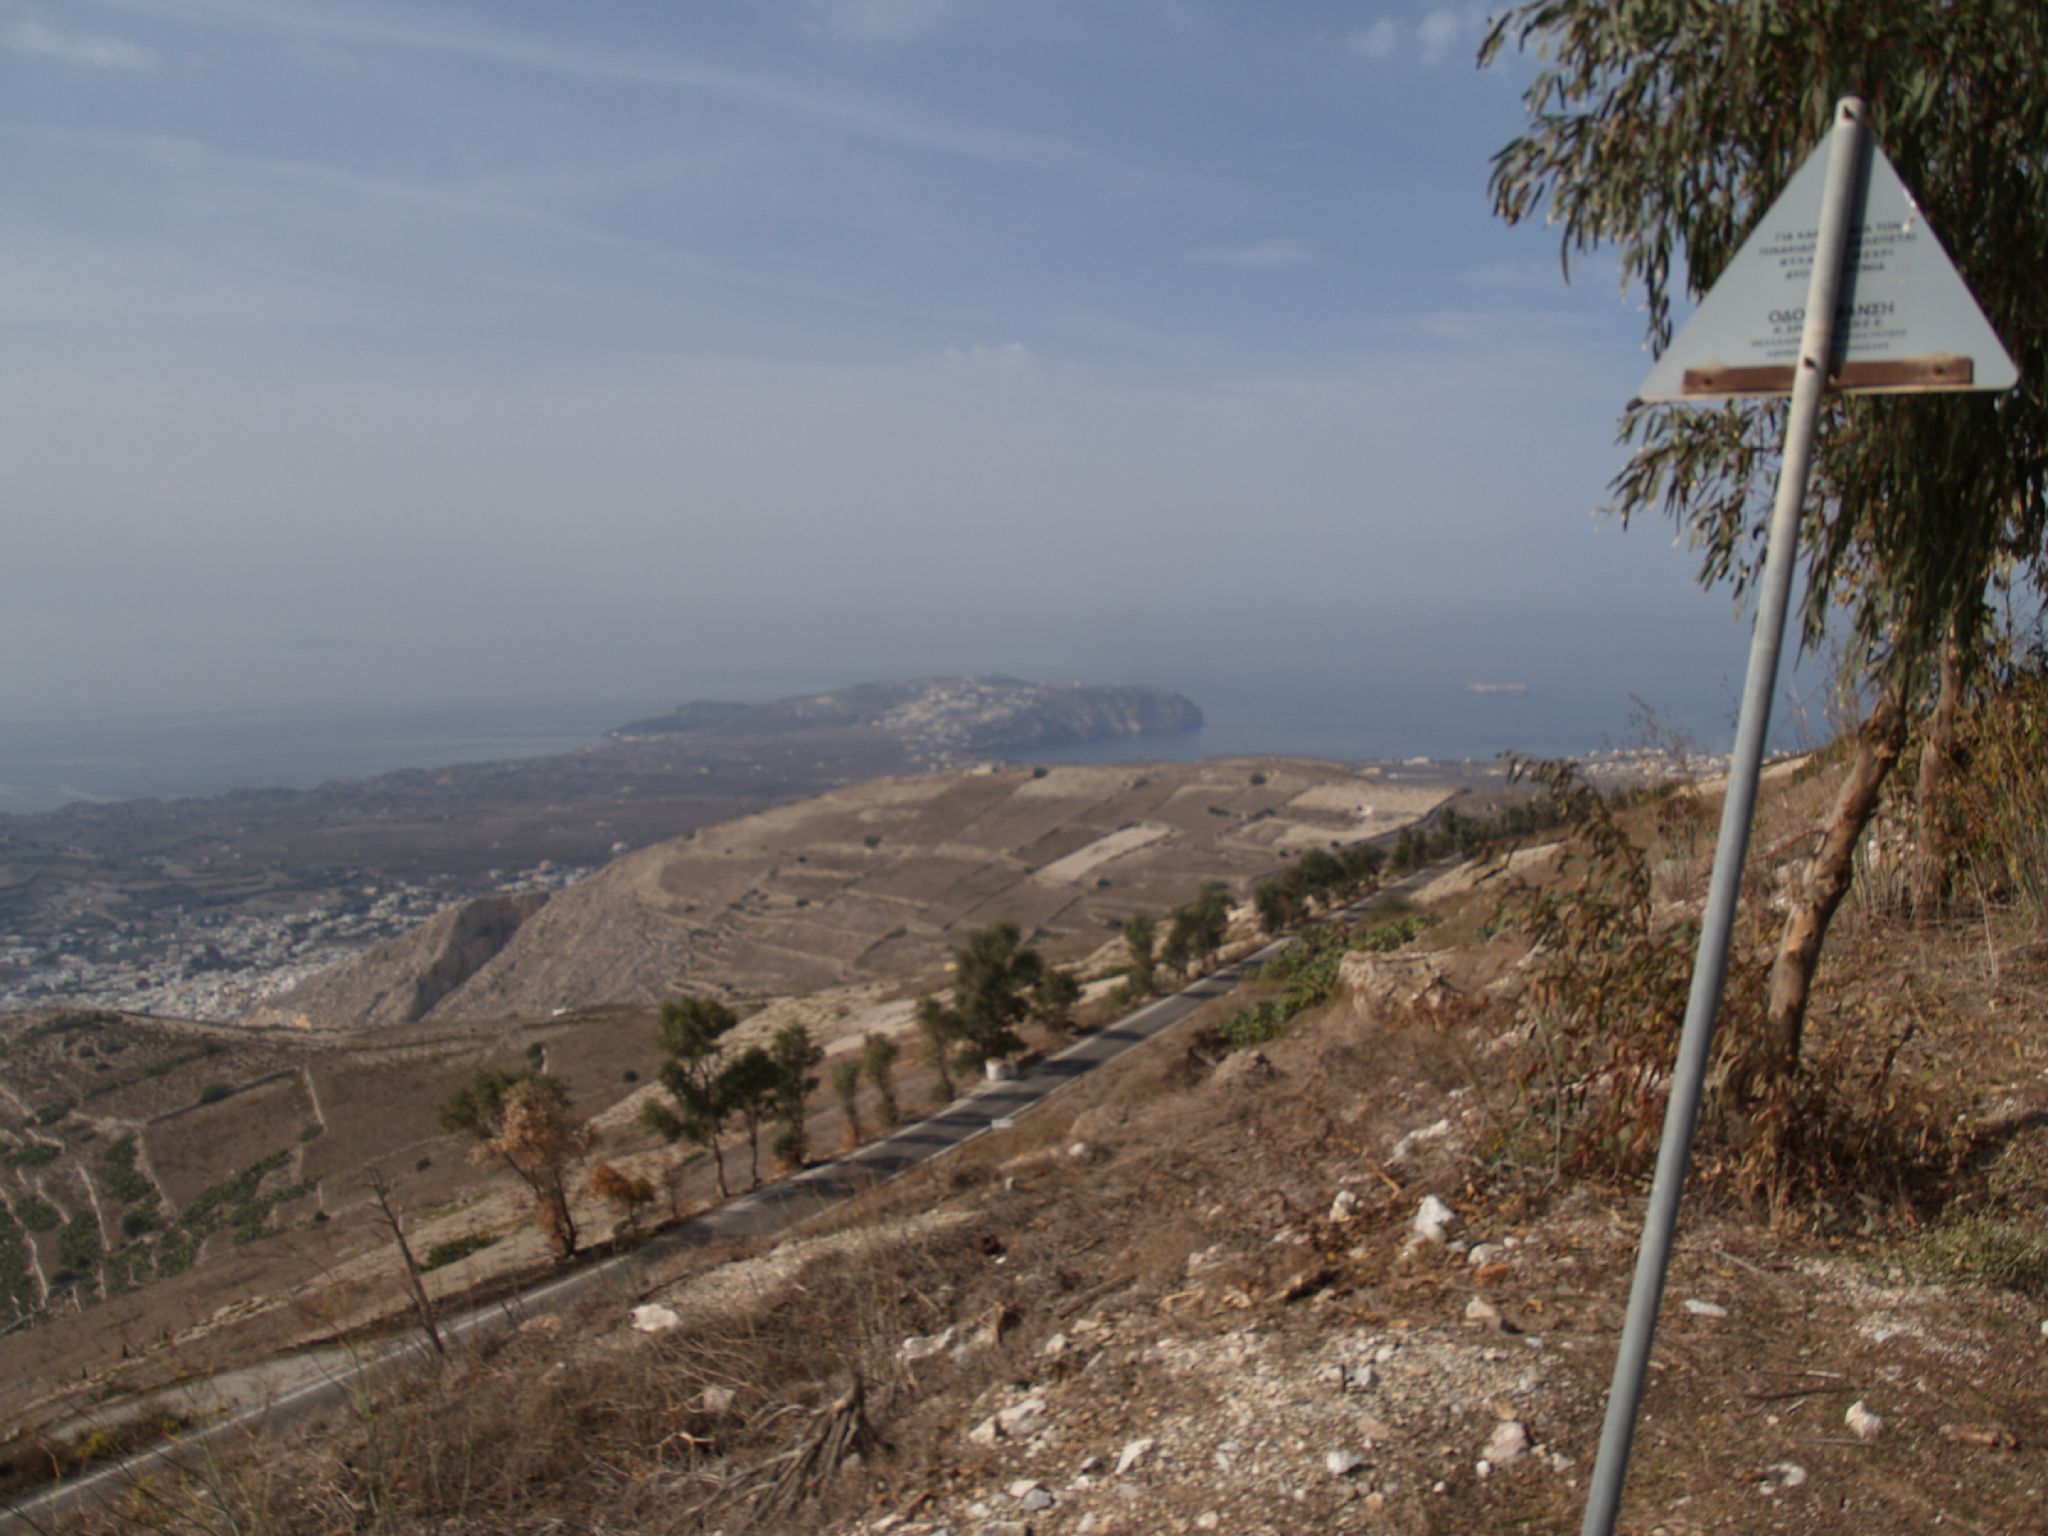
x: 1884, y: 312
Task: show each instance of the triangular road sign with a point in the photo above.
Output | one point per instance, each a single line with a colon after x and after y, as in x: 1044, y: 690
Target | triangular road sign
x: 1904, y: 322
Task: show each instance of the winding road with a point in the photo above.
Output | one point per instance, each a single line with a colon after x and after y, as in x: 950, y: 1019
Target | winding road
x: 330, y: 1377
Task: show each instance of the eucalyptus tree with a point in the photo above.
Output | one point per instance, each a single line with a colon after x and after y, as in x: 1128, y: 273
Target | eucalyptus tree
x: 1661, y: 130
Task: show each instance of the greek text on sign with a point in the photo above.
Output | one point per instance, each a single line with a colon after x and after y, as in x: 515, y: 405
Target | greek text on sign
x: 1904, y: 321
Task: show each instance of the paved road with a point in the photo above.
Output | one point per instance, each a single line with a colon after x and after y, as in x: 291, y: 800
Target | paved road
x: 774, y: 1208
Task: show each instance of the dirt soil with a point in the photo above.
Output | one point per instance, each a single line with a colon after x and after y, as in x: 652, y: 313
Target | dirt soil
x: 1203, y: 1291
x: 112, y: 1299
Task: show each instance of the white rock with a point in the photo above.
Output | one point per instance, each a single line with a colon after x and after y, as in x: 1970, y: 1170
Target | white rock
x: 986, y: 1432
x: 1132, y: 1455
x: 1054, y: 1346
x: 655, y: 1318
x: 716, y: 1400
x: 1343, y: 1463
x: 1700, y: 1308
x: 919, y: 1346
x: 1483, y: 1312
x: 1433, y: 1219
x: 1508, y: 1443
x: 1361, y: 1378
x: 1344, y: 1207
x: 1481, y: 1253
x: 1088, y: 1464
x: 1020, y: 1421
x: 1482, y: 1469
x: 1420, y: 1137
x: 1208, y: 1520
x: 1078, y: 1151
x: 1037, y: 1500
x: 1781, y: 1474
x: 1863, y: 1424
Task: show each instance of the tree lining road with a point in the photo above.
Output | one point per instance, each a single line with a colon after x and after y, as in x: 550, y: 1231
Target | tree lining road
x: 774, y: 1208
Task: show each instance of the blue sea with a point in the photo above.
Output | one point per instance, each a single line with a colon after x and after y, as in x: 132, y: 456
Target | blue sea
x: 1375, y: 712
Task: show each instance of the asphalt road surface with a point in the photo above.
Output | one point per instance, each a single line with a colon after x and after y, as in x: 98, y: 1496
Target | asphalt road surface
x: 332, y: 1376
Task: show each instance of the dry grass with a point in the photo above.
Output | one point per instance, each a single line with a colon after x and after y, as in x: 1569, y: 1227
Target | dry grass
x: 733, y: 1422
x: 1924, y: 1152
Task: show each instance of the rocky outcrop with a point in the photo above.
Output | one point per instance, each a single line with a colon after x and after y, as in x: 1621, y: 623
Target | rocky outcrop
x: 400, y: 982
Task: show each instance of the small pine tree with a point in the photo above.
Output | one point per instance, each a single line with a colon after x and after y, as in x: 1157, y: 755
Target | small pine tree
x: 846, y: 1089
x: 747, y: 1087
x: 1053, y: 999
x: 794, y: 1055
x: 938, y: 1026
x: 1141, y: 975
x: 878, y: 1055
x: 691, y: 1036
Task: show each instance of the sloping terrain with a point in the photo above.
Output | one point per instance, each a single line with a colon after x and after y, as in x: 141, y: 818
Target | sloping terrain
x: 875, y: 880
x: 1337, y: 1280
x: 201, y: 906
x: 178, y: 1197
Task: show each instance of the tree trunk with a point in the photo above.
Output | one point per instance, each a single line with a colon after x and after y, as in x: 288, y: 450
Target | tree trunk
x: 1930, y: 875
x: 1878, y: 744
x: 380, y: 1190
x: 556, y: 1197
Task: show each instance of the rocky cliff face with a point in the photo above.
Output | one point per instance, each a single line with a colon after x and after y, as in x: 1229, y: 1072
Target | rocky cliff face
x: 401, y: 981
x: 976, y: 715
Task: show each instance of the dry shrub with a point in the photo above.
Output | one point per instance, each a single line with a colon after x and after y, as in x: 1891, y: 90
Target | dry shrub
x: 1997, y: 802
x: 1611, y: 977
x: 546, y: 1429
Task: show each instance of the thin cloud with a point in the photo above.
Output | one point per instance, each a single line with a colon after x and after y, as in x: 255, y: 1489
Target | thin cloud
x: 869, y: 117
x: 1261, y: 253
x: 25, y: 35
x: 1379, y: 41
x: 1432, y: 37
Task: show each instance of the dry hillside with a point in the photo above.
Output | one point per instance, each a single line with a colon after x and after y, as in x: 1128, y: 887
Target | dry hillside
x: 177, y: 1198
x: 1324, y: 1259
x: 867, y: 882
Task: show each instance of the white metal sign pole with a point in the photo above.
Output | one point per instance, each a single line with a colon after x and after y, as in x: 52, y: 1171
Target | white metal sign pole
x: 1689, y: 1077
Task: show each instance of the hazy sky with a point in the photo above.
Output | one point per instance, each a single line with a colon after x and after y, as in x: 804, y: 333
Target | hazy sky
x: 509, y: 350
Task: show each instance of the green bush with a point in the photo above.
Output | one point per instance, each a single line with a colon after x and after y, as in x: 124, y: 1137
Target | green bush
x: 78, y: 1245
x: 1257, y: 1024
x: 2006, y: 1252
x: 213, y: 1093
x: 455, y: 1250
x: 37, y: 1214
x: 32, y: 1154
x: 237, y: 1201
x: 16, y: 1288
x: 127, y: 1184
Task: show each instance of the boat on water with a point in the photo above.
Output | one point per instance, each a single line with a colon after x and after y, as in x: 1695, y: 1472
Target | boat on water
x: 1497, y: 687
